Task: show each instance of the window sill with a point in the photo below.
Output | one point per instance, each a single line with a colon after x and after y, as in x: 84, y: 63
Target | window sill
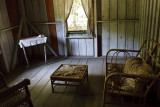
x: 79, y: 37
x: 77, y: 32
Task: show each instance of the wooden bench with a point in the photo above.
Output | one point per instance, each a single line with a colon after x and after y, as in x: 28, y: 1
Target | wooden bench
x: 69, y: 73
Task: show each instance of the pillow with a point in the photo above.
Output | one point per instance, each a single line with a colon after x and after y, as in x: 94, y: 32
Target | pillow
x: 137, y: 67
x: 132, y: 64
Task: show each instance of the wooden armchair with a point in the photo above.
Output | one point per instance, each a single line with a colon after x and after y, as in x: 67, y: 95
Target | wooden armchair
x: 131, y: 81
x: 15, y: 96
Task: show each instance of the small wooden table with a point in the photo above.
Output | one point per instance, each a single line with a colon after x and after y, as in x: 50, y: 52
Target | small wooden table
x: 69, y: 73
x: 32, y: 41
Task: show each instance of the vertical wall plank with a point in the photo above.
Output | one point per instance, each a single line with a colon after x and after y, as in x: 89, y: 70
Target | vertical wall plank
x: 36, y: 10
x: 113, y: 25
x: 150, y: 18
x: 143, y: 20
x: 29, y: 11
x: 75, y: 47
x: 121, y: 25
x: 146, y: 18
x: 157, y: 20
x: 82, y: 47
x: 35, y: 7
x: 59, y: 16
x: 130, y: 25
x: 90, y: 47
x: 105, y: 26
x: 153, y: 20
x: 69, y: 48
x: 137, y: 26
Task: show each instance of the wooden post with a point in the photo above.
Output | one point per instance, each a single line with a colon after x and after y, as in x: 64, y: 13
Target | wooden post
x: 65, y: 40
x: 95, y: 30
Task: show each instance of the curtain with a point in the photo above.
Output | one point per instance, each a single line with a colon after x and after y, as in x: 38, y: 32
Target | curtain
x: 87, y: 6
x: 68, y: 6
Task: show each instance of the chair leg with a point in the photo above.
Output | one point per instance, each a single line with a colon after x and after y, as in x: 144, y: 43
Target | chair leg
x: 30, y: 102
x: 29, y: 96
x: 104, y: 93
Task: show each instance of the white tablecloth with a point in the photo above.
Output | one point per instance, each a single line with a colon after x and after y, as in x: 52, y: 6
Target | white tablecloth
x: 31, y: 41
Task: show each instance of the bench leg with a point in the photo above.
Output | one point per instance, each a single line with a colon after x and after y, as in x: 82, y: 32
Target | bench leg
x: 52, y: 82
x: 87, y: 76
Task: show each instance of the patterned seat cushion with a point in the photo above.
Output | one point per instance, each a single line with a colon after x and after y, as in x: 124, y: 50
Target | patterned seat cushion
x: 132, y: 66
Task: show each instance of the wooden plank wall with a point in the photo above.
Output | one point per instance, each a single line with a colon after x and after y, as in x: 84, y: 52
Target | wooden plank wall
x: 150, y: 20
x: 81, y: 47
x: 6, y: 37
x: 150, y: 27
x: 114, y: 34
x: 119, y: 34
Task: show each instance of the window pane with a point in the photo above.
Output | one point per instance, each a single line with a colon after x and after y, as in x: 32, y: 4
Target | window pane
x: 77, y: 20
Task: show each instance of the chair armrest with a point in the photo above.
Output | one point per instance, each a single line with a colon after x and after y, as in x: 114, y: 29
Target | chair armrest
x: 14, y: 88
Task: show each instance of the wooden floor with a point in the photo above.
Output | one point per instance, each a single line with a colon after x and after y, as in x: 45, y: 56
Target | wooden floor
x: 90, y: 95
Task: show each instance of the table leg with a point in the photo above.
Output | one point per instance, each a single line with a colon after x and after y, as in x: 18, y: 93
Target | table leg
x: 45, y: 55
x: 25, y: 56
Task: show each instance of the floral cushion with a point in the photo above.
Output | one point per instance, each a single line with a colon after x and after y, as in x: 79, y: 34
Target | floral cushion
x: 137, y: 67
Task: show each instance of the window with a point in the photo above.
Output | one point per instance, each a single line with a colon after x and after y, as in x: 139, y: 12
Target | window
x: 77, y: 20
